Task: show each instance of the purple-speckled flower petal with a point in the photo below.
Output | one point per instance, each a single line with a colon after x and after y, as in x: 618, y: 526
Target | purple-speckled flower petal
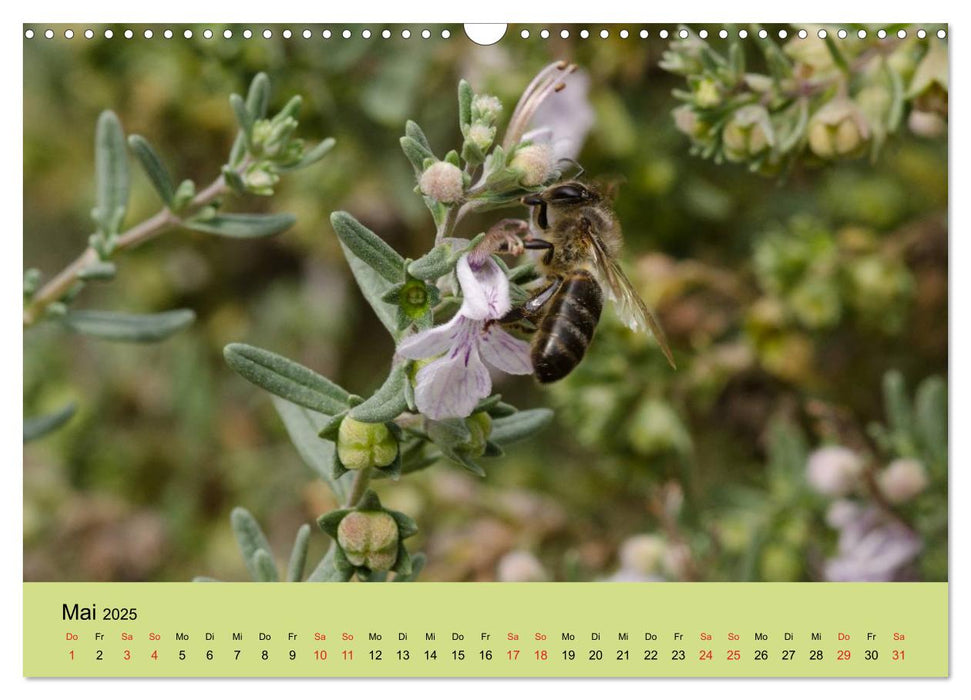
x: 504, y: 352
x: 485, y: 291
x: 431, y: 342
x: 451, y: 386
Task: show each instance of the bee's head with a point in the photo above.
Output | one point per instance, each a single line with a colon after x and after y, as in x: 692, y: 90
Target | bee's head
x: 560, y: 198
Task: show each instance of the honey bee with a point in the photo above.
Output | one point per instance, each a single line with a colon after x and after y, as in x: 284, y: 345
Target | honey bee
x: 581, y: 238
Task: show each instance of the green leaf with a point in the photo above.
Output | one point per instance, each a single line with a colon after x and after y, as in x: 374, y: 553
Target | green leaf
x: 302, y: 426
x: 413, y: 131
x: 368, y: 246
x: 243, y: 118
x: 152, y: 165
x: 111, y: 173
x: 263, y: 567
x: 520, y: 425
x: 415, y: 152
x: 258, y: 97
x: 930, y: 408
x: 128, y: 328
x: 310, y: 156
x: 897, y: 404
x: 242, y: 225
x: 388, y: 402
x: 42, y: 425
x: 285, y: 378
x: 373, y: 286
x: 787, y: 451
x: 298, y: 556
x: 433, y: 264
x: 465, y: 104
x: 250, y: 538
x: 328, y: 571
x: 205, y: 579
x: 100, y: 270
x: 417, y: 564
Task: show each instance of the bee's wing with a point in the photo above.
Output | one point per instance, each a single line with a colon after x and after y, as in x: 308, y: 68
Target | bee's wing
x: 630, y: 307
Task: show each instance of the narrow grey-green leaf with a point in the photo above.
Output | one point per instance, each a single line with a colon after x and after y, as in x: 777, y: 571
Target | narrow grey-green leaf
x: 413, y: 131
x: 417, y: 564
x: 111, y: 172
x: 243, y: 118
x: 327, y: 570
x: 368, y: 246
x: 373, y: 286
x: 258, y: 97
x: 302, y: 426
x: 99, y: 270
x: 465, y: 103
x: 930, y: 408
x: 310, y: 156
x: 520, y: 425
x: 433, y: 264
x: 897, y: 404
x: 285, y: 378
x: 249, y: 537
x: 128, y: 328
x: 152, y: 164
x: 387, y: 403
x: 264, y: 568
x: 39, y: 426
x: 242, y: 225
x: 298, y: 555
x: 415, y: 152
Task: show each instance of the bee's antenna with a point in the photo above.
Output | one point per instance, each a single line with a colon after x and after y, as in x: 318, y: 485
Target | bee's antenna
x: 571, y: 161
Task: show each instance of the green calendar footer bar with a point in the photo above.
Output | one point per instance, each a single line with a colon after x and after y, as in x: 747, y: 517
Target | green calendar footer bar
x: 486, y: 630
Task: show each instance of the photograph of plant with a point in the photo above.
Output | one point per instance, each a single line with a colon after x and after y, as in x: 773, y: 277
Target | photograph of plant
x: 594, y: 303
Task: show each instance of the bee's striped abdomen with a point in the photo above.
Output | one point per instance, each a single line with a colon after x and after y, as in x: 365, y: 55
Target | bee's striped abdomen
x: 567, y: 326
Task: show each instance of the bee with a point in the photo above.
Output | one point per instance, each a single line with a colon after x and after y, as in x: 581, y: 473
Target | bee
x: 581, y: 238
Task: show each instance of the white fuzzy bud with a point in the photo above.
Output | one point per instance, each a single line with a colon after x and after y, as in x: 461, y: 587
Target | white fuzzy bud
x: 833, y: 470
x: 442, y: 182
x: 534, y: 163
x: 481, y: 135
x: 902, y: 480
x: 486, y: 109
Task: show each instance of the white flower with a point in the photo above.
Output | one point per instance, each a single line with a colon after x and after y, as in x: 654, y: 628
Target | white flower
x: 535, y: 163
x: 872, y: 547
x: 442, y: 182
x: 451, y: 385
x: 833, y: 470
x: 902, y: 480
x: 642, y: 553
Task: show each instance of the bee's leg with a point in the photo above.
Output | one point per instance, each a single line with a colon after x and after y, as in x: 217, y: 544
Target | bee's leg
x: 530, y: 309
x: 539, y: 244
x: 504, y: 236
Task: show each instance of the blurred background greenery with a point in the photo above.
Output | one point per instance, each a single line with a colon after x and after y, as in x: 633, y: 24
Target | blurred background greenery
x: 779, y: 296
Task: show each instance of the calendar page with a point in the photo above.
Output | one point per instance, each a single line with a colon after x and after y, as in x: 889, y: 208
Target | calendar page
x: 623, y: 346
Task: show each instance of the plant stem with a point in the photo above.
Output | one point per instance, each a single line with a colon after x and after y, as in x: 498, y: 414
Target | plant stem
x: 141, y: 232
x: 361, y: 481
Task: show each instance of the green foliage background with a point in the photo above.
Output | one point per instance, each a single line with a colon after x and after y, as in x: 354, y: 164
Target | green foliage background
x: 140, y: 484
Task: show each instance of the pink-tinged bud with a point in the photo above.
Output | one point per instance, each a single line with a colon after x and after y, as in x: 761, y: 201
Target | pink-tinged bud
x: 534, y: 163
x: 370, y: 539
x: 482, y: 135
x: 928, y: 125
x: 834, y: 470
x: 902, y: 480
x: 442, y: 182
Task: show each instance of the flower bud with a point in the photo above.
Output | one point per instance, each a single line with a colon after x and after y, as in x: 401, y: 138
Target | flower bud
x: 833, y: 470
x: 642, y: 553
x: 260, y: 179
x: 748, y: 133
x: 902, y: 480
x: 481, y: 135
x: 363, y: 445
x: 485, y: 109
x: 838, y: 129
x: 480, y: 427
x: 520, y: 567
x: 687, y: 122
x: 534, y: 163
x: 369, y: 539
x: 928, y: 125
x: 929, y: 86
x: 442, y: 182
x: 707, y: 94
